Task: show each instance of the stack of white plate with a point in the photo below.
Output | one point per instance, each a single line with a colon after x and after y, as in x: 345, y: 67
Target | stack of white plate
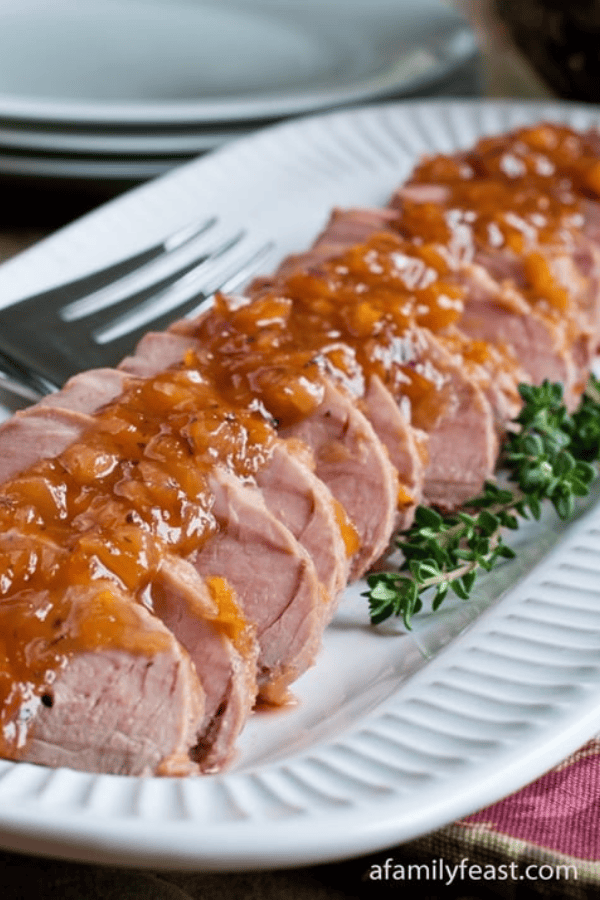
x: 123, y: 90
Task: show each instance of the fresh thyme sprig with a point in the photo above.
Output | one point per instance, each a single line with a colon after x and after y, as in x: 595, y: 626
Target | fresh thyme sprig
x: 549, y: 455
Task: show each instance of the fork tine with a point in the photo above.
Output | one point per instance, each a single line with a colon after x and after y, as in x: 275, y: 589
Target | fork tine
x: 118, y: 342
x: 138, y: 304
x: 146, y: 276
x: 15, y: 388
x: 41, y: 349
x: 32, y: 382
x: 56, y: 298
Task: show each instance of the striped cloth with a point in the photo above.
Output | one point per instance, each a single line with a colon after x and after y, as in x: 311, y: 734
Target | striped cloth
x: 542, y: 841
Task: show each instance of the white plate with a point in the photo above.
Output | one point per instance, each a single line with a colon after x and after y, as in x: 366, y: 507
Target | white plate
x: 110, y: 143
x: 59, y: 168
x: 394, y: 735
x: 125, y: 61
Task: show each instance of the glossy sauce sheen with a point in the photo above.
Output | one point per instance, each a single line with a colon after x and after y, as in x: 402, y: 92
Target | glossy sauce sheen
x: 352, y: 317
x: 507, y: 195
x: 105, y: 511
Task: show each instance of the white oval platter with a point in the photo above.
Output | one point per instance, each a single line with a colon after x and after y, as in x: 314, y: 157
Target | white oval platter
x: 394, y: 734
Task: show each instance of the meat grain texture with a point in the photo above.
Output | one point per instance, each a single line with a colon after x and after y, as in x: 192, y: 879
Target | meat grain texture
x: 178, y: 532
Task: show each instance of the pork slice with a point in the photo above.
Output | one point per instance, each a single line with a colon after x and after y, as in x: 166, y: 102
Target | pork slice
x: 212, y: 628
x: 38, y: 432
x: 407, y: 445
x: 310, y: 515
x: 223, y: 651
x: 291, y: 489
x: 543, y: 347
x: 274, y: 580
x: 354, y: 464
x: 459, y: 423
x: 131, y: 707
x: 353, y: 226
x: 158, y: 350
x: 494, y: 369
x: 88, y: 391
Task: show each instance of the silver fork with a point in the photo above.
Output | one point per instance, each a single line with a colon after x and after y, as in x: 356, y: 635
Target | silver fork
x: 96, y: 320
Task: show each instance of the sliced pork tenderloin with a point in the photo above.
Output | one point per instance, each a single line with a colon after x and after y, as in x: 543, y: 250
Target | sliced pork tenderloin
x: 541, y: 347
x: 407, y: 445
x: 313, y: 516
x: 495, y: 372
x: 458, y: 420
x: 361, y: 446
x: 277, y: 558
x: 158, y: 350
x: 533, y: 344
x: 433, y: 380
x: 343, y: 447
x: 293, y: 493
x: 221, y: 646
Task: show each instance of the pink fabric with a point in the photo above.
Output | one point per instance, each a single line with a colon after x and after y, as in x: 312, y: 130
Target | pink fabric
x: 560, y: 812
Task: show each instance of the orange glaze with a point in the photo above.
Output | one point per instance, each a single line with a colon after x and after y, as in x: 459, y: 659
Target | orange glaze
x: 351, y: 318
x: 234, y: 625
x: 546, y: 151
x: 348, y: 531
x: 102, y: 514
x: 522, y: 193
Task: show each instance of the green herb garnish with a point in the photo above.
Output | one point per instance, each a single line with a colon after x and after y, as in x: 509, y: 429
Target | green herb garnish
x: 548, y: 456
